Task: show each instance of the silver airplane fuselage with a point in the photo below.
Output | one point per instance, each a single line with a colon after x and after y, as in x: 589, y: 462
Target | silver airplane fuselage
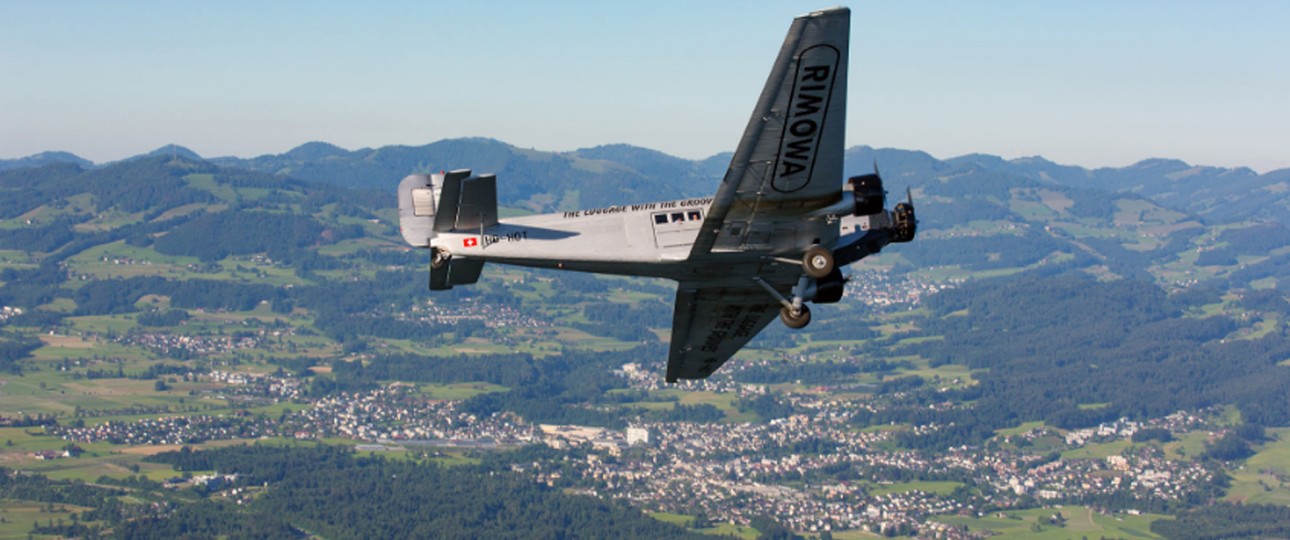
x: 774, y: 236
x: 650, y: 239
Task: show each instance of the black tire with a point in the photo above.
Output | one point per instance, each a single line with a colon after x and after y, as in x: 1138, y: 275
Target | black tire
x: 817, y: 262
x: 438, y: 258
x: 797, y: 322
x: 829, y: 290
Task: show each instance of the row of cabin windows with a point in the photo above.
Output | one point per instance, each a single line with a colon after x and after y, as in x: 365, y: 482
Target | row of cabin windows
x: 678, y: 217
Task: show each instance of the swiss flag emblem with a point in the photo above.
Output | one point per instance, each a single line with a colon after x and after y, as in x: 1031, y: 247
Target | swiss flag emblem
x: 470, y: 242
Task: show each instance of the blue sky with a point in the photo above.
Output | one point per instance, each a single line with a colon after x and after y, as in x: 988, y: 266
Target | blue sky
x: 1092, y: 83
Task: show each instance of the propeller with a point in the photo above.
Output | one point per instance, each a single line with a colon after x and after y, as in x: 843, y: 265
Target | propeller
x: 906, y: 224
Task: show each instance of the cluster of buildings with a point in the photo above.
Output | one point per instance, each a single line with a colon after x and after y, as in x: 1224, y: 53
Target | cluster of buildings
x: 166, y: 430
x: 881, y: 289
x: 492, y: 315
x: 395, y: 413
x: 255, y: 384
x: 1125, y: 428
x: 813, y: 470
x: 1141, y: 475
x: 167, y: 343
x: 398, y: 412
x: 8, y: 312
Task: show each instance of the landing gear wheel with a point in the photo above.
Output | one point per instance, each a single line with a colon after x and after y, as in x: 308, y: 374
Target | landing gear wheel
x: 817, y: 262
x: 798, y: 321
x: 439, y: 258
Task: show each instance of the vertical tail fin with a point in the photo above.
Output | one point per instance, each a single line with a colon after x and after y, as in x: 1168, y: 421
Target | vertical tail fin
x: 445, y: 218
x: 433, y: 203
x: 477, y: 208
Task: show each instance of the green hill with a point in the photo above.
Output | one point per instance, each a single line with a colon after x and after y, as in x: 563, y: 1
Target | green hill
x: 1035, y: 293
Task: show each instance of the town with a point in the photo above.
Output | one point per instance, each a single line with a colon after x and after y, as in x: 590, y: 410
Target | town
x: 811, y: 468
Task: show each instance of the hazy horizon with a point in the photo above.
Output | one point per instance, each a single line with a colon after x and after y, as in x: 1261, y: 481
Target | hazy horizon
x: 1094, y: 84
x: 206, y: 156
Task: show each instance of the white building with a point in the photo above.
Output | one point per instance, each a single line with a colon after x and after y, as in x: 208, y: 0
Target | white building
x: 637, y: 435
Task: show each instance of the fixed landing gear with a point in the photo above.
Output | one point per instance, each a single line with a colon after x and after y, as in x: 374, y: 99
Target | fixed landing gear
x: 438, y: 258
x: 797, y: 320
x: 794, y: 312
x: 817, y: 262
x: 817, y: 267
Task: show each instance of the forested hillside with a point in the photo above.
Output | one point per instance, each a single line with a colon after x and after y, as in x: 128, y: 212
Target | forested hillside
x: 549, y: 180
x: 171, y: 300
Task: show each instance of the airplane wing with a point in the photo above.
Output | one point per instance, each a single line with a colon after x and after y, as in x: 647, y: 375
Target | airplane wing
x: 711, y: 324
x: 789, y: 160
x: 788, y: 163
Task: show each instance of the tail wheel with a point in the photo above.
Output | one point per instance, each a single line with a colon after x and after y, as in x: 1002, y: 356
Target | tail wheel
x: 795, y: 321
x: 438, y: 258
x: 817, y: 262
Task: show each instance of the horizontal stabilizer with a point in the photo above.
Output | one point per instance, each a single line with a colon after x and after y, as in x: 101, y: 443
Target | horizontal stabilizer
x: 455, y: 271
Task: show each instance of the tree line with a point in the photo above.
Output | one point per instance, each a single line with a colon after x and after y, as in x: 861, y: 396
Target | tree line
x: 1051, y: 344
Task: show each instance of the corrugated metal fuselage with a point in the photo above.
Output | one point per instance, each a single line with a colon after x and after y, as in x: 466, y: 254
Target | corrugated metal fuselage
x: 651, y: 239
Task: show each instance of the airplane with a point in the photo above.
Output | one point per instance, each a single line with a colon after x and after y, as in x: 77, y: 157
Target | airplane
x: 773, y: 238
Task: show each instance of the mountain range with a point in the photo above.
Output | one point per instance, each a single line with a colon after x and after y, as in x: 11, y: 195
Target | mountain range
x: 613, y: 174
x: 1162, y: 221
x: 1070, y: 296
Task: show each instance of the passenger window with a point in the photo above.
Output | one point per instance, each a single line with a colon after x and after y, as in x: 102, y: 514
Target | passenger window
x: 660, y: 219
x: 695, y: 215
x: 678, y: 217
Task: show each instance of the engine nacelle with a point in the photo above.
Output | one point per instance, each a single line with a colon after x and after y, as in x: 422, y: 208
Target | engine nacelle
x: 829, y: 289
x: 868, y: 194
x: 904, y: 222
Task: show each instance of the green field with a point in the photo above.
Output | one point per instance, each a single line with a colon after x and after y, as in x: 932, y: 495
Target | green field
x: 945, y: 375
x: 939, y: 488
x: 61, y: 396
x: 1080, y: 522
x: 725, y: 402
x: 99, y: 459
x: 17, y: 516
x: 854, y: 535
x: 1097, y: 450
x: 460, y: 391
x: 720, y: 529
x: 1023, y: 428
x: 1187, y: 446
x: 1263, y: 478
